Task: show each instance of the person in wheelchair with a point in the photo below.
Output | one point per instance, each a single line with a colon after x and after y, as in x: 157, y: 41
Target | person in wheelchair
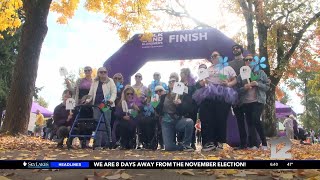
x: 126, y: 113
x: 63, y: 120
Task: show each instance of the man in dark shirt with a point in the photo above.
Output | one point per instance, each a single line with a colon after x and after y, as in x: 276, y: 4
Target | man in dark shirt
x: 236, y: 64
x: 63, y: 120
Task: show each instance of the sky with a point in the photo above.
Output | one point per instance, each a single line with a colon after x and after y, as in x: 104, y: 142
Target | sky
x: 87, y: 40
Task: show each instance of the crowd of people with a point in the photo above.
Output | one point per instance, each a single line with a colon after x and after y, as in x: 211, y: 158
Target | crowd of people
x: 140, y: 114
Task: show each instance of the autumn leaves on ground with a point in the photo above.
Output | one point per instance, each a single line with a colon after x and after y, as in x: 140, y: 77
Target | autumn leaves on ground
x: 31, y: 148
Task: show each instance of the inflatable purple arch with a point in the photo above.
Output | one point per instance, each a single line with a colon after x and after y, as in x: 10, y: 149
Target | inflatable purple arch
x: 174, y: 45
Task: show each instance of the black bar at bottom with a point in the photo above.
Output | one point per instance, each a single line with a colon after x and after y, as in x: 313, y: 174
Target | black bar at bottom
x: 162, y: 164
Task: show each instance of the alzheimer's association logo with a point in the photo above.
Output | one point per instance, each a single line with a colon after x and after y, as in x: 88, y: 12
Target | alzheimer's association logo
x: 151, y: 40
x: 282, y: 153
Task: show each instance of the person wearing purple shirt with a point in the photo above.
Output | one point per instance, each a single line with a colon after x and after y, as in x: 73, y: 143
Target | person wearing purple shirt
x: 82, y: 85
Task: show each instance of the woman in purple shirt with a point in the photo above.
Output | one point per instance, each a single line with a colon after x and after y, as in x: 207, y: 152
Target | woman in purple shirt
x: 82, y: 86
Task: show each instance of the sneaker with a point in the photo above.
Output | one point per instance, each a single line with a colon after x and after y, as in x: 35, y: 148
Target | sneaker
x: 264, y: 148
x: 187, y: 149
x: 208, y: 147
x: 220, y: 145
x: 253, y: 148
x: 98, y: 148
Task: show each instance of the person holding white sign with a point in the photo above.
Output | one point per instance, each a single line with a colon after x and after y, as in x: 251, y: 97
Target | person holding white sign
x: 82, y: 85
x: 190, y: 87
x: 126, y: 113
x: 63, y: 121
x: 215, y: 100
x: 172, y: 114
x: 102, y: 88
x: 252, y: 98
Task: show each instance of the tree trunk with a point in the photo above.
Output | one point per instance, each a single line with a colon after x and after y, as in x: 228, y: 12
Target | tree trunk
x: 269, y: 117
x: 19, y: 100
x: 247, y: 10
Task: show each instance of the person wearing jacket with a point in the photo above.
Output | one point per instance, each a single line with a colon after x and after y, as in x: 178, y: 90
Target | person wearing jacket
x: 252, y: 97
x: 172, y: 113
x: 102, y: 91
x: 63, y: 120
x: 126, y: 113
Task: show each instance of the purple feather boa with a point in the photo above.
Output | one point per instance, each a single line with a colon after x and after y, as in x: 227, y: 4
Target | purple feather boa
x: 216, y: 92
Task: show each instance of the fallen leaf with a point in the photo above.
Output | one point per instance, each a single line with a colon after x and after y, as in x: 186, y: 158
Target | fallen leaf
x: 250, y: 173
x: 186, y: 172
x: 36, y: 170
x: 116, y: 176
x: 231, y: 172
x: 89, y: 177
x: 48, y: 178
x: 141, y: 174
x: 8, y: 174
x: 287, y: 176
x: 103, y: 173
x: 314, y: 178
x: 119, y: 171
x: 241, y: 174
x: 4, y: 178
x: 95, y: 157
x: 125, y: 176
x: 213, y: 158
x: 83, y: 155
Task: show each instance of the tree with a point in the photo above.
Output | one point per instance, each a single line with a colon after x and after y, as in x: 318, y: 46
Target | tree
x: 42, y: 102
x: 34, y: 30
x: 281, y: 26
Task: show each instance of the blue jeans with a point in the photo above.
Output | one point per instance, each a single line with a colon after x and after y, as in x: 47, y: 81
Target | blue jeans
x: 103, y: 136
x: 169, y: 129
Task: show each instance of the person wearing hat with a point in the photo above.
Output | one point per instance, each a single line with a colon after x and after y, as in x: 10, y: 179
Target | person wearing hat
x: 215, y: 98
x: 156, y: 82
x: 172, y: 112
x: 159, y: 91
x: 103, y: 90
x: 236, y: 64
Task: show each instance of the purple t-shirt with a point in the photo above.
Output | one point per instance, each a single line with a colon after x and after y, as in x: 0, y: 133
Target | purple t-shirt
x: 85, y: 84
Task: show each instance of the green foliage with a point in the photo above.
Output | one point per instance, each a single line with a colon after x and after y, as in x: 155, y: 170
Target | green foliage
x: 42, y: 102
x: 8, y: 53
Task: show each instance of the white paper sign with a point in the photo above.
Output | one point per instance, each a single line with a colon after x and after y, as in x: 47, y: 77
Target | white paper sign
x: 70, y: 104
x: 186, y: 90
x: 245, y: 72
x: 63, y: 71
x: 178, y: 88
x: 125, y: 107
x: 203, y: 73
x: 155, y: 98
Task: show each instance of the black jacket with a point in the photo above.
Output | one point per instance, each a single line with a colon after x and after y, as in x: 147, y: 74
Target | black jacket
x: 187, y: 108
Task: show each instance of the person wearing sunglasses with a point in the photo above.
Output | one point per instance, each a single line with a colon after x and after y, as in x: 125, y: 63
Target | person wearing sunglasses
x: 156, y: 82
x: 140, y: 90
x: 82, y: 85
x: 126, y: 118
x: 103, y: 90
x: 172, y: 112
x: 236, y: 64
x: 252, y: 98
x: 214, y: 100
x: 190, y: 83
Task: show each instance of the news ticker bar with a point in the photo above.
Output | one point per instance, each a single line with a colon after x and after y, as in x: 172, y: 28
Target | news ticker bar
x: 163, y: 164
